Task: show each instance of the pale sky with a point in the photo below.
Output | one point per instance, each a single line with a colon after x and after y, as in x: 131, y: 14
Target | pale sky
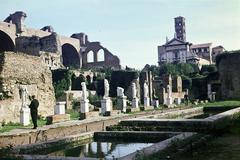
x: 132, y: 29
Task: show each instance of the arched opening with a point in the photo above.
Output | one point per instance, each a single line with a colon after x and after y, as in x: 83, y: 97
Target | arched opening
x: 70, y: 56
x: 101, y: 55
x: 6, y: 43
x: 90, y: 57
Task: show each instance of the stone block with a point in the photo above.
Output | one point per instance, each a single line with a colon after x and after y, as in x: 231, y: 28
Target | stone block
x: 149, y: 108
x: 155, y: 103
x: 128, y: 110
x: 84, y: 106
x: 106, y: 105
x: 122, y: 103
x: 146, y: 101
x: 88, y: 115
x: 135, y: 102
x: 25, y: 116
x: 59, y: 108
x: 58, y: 118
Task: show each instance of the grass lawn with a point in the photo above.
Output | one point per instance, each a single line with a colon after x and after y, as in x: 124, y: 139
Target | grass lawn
x: 234, y: 103
x: 10, y: 126
x: 74, y: 115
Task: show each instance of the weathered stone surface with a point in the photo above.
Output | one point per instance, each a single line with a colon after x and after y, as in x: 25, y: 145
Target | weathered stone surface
x: 27, y: 136
x: 58, y: 118
x: 20, y: 69
x: 89, y: 115
x: 229, y: 74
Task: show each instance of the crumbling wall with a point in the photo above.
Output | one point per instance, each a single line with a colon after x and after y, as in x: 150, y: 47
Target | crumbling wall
x: 18, y: 69
x: 229, y: 74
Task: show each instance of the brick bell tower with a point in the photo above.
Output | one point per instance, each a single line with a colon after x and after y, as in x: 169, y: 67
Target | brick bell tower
x: 180, y: 28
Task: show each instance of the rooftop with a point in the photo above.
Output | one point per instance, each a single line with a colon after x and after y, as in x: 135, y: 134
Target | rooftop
x: 202, y: 45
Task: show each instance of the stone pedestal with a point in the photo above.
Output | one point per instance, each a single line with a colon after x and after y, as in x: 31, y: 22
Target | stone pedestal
x: 84, y: 106
x: 213, y: 96
x: 122, y: 103
x: 57, y: 118
x: 135, y: 102
x: 88, y: 115
x: 169, y: 101
x: 155, y: 103
x: 25, y: 116
x: 146, y: 101
x: 178, y: 101
x: 59, y: 108
x: 106, y: 106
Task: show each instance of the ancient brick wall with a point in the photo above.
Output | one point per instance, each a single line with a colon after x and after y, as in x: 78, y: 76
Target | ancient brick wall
x: 229, y: 74
x: 17, y: 70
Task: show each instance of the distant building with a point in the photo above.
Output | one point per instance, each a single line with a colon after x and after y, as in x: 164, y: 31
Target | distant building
x: 178, y: 50
x: 202, y: 51
x: 216, y: 51
x: 175, y: 51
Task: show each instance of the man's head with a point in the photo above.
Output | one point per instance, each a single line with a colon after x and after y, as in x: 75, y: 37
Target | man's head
x: 33, y: 96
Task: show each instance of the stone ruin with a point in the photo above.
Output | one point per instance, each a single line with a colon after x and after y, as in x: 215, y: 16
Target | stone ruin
x: 171, y: 90
x: 19, y: 71
x: 55, y: 50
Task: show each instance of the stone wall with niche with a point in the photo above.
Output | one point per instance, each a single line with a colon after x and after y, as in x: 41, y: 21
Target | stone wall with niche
x: 17, y: 69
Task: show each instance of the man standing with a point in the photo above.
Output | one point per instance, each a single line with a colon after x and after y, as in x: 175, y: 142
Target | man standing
x: 34, y: 111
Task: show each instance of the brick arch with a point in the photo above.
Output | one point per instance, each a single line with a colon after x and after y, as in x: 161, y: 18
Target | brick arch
x: 70, y: 56
x: 6, y: 42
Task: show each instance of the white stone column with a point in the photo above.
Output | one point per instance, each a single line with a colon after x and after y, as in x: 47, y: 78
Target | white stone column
x: 106, y: 103
x: 169, y: 95
x: 25, y: 110
x: 209, y: 91
x: 146, y: 98
x: 155, y: 103
x: 146, y: 101
x: 178, y: 101
x: 59, y: 108
x: 124, y: 104
x: 135, y: 100
x: 84, y: 103
x: 213, y: 96
x: 84, y: 106
x: 121, y: 99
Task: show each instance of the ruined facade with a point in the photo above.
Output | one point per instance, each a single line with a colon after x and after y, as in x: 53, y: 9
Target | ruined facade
x: 17, y: 70
x: 55, y: 50
x: 229, y: 75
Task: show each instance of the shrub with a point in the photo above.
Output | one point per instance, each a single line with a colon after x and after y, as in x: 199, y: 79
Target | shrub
x: 61, y: 81
x: 206, y: 69
x: 121, y: 79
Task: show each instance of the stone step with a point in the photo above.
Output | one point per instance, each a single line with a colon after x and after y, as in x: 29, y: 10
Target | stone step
x: 57, y: 118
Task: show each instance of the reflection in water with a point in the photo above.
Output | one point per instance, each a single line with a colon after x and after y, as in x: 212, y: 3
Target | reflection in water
x: 108, y: 150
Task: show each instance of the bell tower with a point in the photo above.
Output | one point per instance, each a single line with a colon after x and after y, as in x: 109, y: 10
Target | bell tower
x: 180, y: 28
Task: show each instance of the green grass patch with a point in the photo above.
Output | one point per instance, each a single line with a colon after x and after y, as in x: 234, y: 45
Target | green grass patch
x: 232, y: 103
x: 74, y: 115
x: 10, y: 126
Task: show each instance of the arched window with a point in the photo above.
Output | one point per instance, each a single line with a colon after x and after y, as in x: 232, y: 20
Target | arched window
x: 101, y: 55
x: 90, y: 57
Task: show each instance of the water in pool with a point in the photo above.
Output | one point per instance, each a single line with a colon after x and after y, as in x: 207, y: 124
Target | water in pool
x: 107, y: 150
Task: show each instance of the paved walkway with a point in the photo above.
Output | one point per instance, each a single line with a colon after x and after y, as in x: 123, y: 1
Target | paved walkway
x: 25, y: 130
